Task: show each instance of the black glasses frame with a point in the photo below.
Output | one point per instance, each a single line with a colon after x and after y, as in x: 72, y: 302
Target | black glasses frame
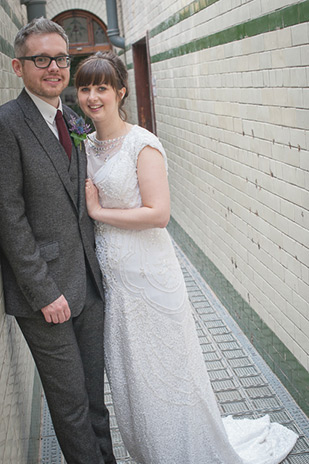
x: 51, y: 58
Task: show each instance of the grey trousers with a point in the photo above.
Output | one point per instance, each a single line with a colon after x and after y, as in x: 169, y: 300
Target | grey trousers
x: 69, y: 359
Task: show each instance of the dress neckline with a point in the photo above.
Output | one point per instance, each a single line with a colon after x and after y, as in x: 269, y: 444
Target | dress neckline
x: 106, y: 149
x: 107, y: 141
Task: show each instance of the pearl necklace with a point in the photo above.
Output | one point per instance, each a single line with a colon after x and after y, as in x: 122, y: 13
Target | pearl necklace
x: 103, y: 146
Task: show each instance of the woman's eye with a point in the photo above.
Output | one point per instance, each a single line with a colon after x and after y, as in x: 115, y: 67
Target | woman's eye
x: 84, y: 89
x: 102, y: 88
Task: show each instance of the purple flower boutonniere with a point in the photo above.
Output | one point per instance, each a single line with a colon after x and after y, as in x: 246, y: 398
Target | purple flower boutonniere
x: 78, y: 130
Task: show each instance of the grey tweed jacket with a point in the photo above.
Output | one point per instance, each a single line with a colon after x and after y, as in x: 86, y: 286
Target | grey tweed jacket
x: 46, y: 236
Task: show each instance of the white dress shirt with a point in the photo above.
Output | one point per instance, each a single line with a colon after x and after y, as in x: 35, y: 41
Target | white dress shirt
x: 47, y: 111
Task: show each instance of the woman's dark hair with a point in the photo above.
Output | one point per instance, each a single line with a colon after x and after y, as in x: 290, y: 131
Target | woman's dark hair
x: 103, y: 68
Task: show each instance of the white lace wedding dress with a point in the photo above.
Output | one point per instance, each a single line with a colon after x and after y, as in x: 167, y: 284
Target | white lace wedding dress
x: 164, y: 404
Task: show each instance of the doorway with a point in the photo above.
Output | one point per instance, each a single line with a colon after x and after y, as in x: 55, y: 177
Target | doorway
x: 143, y: 85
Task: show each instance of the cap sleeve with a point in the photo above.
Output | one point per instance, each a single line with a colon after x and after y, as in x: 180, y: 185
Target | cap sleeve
x: 142, y: 138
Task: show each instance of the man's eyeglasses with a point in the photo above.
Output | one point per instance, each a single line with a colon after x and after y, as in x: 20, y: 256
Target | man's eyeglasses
x: 41, y: 61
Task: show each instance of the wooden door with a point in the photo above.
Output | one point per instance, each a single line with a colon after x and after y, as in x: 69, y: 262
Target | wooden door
x: 143, y: 85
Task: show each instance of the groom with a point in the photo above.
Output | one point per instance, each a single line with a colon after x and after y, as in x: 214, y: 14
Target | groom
x: 52, y: 283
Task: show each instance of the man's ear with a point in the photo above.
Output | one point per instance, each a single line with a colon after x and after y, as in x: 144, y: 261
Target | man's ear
x: 17, y: 67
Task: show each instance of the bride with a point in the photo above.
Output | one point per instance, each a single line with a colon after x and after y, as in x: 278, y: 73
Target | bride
x: 164, y: 404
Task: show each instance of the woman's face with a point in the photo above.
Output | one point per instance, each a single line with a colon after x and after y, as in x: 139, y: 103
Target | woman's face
x: 99, y: 102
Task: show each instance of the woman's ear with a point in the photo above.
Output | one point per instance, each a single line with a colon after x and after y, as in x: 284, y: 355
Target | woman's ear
x: 122, y: 92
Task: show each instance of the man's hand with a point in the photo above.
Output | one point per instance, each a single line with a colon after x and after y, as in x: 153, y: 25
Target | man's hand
x: 58, y: 311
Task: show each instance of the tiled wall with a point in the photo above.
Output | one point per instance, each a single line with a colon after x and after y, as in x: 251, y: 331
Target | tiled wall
x: 232, y: 112
x: 16, y: 393
x: 12, y: 18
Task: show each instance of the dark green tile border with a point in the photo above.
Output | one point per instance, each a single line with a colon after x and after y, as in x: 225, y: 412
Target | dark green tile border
x: 286, y: 17
x: 282, y: 362
x: 6, y: 48
x: 280, y: 19
x: 35, y: 426
x: 5, y: 5
x: 184, y: 13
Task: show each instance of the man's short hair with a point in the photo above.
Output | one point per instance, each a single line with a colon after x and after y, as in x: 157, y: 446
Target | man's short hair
x: 37, y: 26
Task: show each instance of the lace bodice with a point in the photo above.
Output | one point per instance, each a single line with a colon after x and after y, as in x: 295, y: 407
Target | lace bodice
x: 117, y: 177
x: 141, y: 250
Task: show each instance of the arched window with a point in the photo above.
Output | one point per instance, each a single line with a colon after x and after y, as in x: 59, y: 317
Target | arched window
x: 86, y: 32
x: 87, y: 35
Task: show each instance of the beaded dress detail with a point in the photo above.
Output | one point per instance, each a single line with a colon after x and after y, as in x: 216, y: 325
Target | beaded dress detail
x: 164, y: 404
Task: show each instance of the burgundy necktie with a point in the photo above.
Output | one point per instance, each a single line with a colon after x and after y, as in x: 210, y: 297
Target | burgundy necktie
x: 64, y: 136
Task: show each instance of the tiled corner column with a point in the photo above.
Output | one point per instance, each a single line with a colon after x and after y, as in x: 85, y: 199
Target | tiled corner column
x: 19, y: 407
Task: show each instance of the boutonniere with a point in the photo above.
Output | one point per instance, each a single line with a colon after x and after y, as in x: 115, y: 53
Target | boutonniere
x: 78, y: 130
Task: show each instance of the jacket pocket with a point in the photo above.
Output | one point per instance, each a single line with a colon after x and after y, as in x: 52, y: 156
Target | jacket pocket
x: 49, y: 251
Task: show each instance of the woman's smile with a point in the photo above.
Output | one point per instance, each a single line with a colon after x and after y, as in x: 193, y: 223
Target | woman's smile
x: 98, y: 100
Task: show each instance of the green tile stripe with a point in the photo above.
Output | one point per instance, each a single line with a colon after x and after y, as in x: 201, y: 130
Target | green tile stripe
x: 124, y: 50
x: 184, y: 13
x: 279, y: 19
x: 282, y: 362
x: 6, y: 48
x: 5, y: 5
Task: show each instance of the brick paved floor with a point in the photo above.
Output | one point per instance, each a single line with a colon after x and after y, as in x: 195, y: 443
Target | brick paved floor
x: 243, y: 383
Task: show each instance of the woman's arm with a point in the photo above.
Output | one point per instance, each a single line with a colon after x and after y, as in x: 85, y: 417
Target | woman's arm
x: 153, y: 184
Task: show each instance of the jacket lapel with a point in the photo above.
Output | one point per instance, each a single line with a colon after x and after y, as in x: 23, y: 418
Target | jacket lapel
x: 81, y: 160
x: 47, y: 140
